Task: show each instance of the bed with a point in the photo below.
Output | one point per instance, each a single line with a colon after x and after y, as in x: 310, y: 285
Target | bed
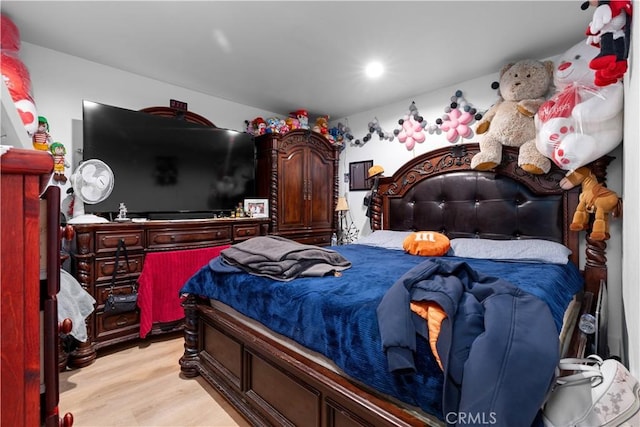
x: 280, y: 370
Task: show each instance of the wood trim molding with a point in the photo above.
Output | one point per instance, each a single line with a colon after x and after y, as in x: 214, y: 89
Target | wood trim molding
x: 173, y: 113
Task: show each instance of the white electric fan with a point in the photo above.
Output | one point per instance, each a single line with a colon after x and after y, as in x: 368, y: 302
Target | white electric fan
x: 92, y: 182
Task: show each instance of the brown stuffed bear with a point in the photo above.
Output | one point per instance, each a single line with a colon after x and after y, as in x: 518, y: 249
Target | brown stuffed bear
x: 509, y: 122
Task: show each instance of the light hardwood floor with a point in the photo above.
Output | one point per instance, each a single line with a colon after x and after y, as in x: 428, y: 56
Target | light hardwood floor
x: 141, y: 385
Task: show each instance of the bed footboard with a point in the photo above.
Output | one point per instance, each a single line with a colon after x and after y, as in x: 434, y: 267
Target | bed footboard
x: 271, y: 385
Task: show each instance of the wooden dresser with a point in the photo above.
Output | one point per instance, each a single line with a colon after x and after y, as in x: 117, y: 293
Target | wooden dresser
x: 298, y: 173
x: 93, y: 262
x: 29, y: 326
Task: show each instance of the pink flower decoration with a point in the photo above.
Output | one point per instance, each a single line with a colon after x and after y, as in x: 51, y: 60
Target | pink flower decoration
x: 411, y: 133
x: 457, y: 125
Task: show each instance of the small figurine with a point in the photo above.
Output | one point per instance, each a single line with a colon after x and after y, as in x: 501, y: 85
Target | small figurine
x: 292, y: 123
x: 259, y: 126
x: 272, y: 125
x: 322, y: 125
x: 59, y: 162
x: 42, y: 139
x: 239, y: 210
x: 282, y: 126
x: 122, y: 213
x: 249, y: 127
x: 303, y: 118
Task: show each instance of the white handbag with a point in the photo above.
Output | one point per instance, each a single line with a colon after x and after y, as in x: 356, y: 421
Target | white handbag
x: 597, y: 393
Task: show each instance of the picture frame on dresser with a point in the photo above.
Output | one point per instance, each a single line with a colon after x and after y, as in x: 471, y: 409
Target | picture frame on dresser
x: 257, y: 208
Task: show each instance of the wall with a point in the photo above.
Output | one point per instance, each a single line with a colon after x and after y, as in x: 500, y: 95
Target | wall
x: 631, y: 196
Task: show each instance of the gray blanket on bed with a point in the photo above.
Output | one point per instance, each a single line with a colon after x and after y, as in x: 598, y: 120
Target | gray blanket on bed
x: 283, y: 259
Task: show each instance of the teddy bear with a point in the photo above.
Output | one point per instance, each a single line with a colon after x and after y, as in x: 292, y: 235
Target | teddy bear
x: 523, y: 86
x: 322, y: 125
x: 581, y: 121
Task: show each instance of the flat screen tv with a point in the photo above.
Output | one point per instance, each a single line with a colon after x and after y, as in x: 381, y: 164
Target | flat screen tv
x: 167, y: 168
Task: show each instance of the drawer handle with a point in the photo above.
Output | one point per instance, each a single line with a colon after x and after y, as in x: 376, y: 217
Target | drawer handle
x: 121, y: 322
x: 173, y: 238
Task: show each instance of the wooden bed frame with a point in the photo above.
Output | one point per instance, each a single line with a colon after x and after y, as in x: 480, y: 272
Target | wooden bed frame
x: 272, y: 385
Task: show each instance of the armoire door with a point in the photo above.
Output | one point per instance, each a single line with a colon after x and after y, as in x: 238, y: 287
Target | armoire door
x: 320, y: 190
x: 292, y: 189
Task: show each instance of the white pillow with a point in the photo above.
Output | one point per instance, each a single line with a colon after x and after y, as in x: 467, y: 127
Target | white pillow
x: 527, y: 250
x: 385, y: 239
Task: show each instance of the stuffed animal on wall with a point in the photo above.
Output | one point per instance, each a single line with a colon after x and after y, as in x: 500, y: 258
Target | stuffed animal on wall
x: 16, y: 75
x: 509, y: 122
x: 595, y: 198
x: 580, y: 122
x: 609, y: 30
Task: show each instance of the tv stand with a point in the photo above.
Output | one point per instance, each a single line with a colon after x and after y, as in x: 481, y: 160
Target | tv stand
x: 93, y: 260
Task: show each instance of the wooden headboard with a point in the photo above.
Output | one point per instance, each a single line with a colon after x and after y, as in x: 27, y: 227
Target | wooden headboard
x: 439, y: 191
x: 174, y: 113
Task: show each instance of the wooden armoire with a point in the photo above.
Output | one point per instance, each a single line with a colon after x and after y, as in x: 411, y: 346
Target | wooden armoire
x: 298, y: 173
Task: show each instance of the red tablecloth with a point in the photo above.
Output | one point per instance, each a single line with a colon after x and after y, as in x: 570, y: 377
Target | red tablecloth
x: 163, y: 274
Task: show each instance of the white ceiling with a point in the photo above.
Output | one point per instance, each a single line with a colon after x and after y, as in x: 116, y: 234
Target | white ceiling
x: 282, y: 56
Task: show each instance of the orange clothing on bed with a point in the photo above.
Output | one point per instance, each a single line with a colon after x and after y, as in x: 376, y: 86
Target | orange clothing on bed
x: 434, y: 315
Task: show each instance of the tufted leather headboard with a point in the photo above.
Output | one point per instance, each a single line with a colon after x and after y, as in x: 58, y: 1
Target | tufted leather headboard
x: 439, y: 191
x: 477, y: 204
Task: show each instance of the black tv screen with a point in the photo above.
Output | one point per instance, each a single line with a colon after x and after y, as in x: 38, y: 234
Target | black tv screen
x: 167, y: 168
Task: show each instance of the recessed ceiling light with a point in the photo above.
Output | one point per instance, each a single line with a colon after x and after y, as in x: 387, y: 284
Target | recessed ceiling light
x: 374, y: 69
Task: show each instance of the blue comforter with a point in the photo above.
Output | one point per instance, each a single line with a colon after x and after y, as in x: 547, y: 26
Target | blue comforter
x: 336, y: 316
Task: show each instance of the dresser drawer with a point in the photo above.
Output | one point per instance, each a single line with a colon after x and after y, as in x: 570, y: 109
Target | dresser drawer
x: 107, y: 241
x: 117, y: 324
x: 119, y: 288
x: 244, y: 232
x: 317, y: 240
x: 169, y: 239
x: 105, y: 267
